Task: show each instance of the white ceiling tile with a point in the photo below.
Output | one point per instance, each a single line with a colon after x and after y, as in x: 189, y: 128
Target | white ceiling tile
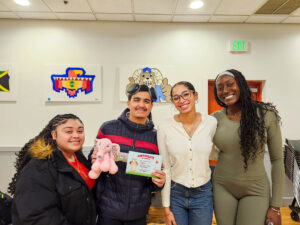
x: 35, y: 6
x: 115, y: 17
x: 227, y: 11
x: 228, y: 19
x: 292, y: 19
x: 37, y: 15
x: 296, y: 12
x: 8, y: 15
x: 154, y: 6
x: 71, y: 6
x: 76, y: 16
x: 153, y: 18
x: 111, y: 6
x: 208, y: 8
x: 3, y: 7
x: 239, y: 7
x: 266, y: 18
x: 190, y: 18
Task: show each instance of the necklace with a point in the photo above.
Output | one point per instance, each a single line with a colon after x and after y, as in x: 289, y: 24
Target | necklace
x: 190, y: 129
x: 77, y: 168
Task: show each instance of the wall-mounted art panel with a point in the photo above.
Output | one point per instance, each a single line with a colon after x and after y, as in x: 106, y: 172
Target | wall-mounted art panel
x: 157, y: 77
x: 73, y: 83
x: 8, y: 82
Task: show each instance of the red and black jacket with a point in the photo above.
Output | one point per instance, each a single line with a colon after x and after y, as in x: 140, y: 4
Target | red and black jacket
x: 122, y: 196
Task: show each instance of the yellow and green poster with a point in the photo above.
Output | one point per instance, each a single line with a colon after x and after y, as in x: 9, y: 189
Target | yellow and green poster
x: 4, y: 81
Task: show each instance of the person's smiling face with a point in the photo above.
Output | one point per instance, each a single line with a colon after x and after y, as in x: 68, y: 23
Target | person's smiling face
x: 228, y: 90
x: 140, y: 106
x: 183, y: 98
x: 69, y: 136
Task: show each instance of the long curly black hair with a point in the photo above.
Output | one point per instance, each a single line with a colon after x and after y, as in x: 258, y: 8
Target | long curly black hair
x: 23, y: 156
x: 252, y: 124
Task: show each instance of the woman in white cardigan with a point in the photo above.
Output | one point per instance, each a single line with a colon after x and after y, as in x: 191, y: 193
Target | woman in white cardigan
x: 185, y: 142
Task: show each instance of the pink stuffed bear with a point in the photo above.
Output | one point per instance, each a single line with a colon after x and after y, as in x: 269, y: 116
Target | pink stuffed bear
x: 105, y: 158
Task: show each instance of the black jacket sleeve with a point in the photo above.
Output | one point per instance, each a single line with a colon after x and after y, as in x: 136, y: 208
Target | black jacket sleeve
x: 154, y: 187
x: 36, y: 201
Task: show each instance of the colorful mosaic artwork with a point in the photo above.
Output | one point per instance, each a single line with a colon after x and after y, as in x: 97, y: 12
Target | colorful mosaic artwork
x: 74, y: 81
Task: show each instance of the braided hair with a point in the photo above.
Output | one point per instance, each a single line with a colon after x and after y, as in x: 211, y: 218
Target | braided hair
x: 23, y: 156
x: 252, y: 124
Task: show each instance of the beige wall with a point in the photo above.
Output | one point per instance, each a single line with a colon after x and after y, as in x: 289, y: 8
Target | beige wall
x: 198, y: 51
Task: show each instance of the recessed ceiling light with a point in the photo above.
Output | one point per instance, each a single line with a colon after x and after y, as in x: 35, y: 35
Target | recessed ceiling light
x: 22, y: 2
x: 196, y: 4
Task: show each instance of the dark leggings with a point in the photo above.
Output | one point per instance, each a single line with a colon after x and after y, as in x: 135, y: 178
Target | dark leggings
x: 108, y: 221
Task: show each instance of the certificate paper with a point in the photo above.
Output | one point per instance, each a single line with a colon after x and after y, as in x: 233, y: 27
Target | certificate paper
x: 143, y: 164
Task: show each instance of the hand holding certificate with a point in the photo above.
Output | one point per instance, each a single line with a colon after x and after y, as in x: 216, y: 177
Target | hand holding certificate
x: 143, y: 164
x: 159, y: 177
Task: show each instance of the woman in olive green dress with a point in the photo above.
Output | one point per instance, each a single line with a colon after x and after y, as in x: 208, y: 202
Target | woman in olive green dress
x: 242, y: 193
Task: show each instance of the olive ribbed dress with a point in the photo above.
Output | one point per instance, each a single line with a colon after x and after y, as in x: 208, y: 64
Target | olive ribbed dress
x: 242, y: 197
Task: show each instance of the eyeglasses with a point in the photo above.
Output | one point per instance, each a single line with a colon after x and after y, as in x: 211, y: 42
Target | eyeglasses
x: 184, y: 95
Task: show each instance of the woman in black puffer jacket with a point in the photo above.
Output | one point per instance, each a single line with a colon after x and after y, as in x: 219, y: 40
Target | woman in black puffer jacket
x: 51, y: 186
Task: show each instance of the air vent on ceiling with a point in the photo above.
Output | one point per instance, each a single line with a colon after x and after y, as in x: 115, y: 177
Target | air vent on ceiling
x: 279, y: 7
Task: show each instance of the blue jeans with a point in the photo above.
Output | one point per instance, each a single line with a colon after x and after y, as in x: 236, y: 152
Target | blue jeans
x: 192, y: 206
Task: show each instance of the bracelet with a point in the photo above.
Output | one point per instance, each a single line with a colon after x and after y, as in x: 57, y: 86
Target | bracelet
x: 276, y: 210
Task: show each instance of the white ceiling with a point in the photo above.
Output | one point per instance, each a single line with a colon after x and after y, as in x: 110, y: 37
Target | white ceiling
x: 227, y: 11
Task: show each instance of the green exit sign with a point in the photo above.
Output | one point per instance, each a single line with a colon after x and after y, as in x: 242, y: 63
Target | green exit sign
x: 238, y: 46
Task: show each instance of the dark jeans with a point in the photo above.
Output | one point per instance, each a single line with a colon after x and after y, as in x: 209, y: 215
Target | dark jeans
x: 192, y: 206
x: 108, y: 221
